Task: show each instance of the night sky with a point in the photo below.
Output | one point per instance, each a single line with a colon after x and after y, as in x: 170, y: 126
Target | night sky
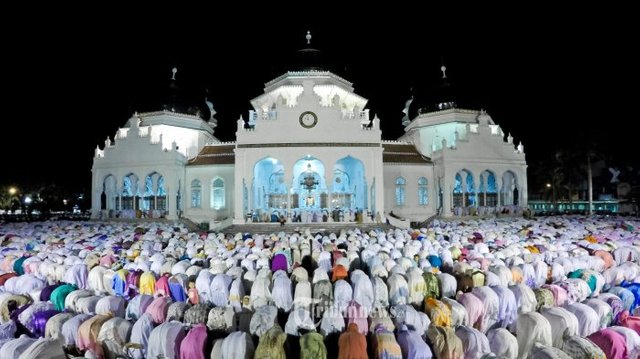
x: 547, y: 78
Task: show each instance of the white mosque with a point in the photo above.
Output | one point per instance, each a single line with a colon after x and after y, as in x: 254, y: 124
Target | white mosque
x: 310, y: 152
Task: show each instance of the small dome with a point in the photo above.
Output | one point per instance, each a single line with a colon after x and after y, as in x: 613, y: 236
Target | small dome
x: 309, y: 58
x: 176, y: 96
x: 434, y: 98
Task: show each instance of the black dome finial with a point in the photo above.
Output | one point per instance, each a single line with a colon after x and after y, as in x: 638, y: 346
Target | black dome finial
x: 175, y: 95
x: 309, y: 58
x: 438, y: 97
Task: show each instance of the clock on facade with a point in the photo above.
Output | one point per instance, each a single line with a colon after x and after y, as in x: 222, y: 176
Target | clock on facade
x: 308, y: 119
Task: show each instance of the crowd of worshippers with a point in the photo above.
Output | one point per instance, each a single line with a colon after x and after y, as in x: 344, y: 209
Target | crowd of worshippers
x: 564, y: 287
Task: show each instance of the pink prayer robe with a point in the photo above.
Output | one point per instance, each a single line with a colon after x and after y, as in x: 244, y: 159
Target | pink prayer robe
x: 192, y: 346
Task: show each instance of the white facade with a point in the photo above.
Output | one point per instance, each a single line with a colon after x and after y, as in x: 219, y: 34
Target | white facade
x: 475, y: 169
x: 411, y: 180
x: 142, y: 171
x: 309, y: 152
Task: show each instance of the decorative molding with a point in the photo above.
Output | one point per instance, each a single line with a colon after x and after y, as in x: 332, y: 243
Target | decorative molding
x: 169, y: 113
x: 395, y: 142
x: 310, y: 144
x: 310, y: 73
x: 221, y: 143
x: 229, y: 154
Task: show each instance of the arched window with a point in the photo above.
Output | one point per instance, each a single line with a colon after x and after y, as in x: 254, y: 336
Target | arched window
x: 423, y: 191
x: 400, y: 197
x: 217, y: 193
x: 196, y: 194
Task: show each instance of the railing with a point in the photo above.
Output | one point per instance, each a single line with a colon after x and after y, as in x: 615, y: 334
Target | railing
x: 425, y: 223
x: 360, y: 115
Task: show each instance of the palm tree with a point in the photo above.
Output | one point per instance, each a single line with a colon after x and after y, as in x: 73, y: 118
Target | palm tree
x: 575, y: 161
x: 571, y: 171
x: 5, y: 198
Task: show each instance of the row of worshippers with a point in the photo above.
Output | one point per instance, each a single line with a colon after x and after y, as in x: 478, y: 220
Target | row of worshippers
x: 403, y: 262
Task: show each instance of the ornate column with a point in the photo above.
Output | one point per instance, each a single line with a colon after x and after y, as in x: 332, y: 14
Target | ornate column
x: 475, y: 188
x: 499, y: 192
x: 442, y: 188
x: 171, y: 210
x: 288, y: 195
x: 329, y: 182
x: 96, y: 203
x: 238, y: 196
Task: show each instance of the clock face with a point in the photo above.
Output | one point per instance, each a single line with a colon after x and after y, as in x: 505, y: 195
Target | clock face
x: 308, y: 119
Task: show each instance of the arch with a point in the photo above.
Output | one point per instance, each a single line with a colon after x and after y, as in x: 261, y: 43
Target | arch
x: 269, y: 187
x: 162, y: 191
x: 349, y: 186
x: 154, y: 196
x: 400, y: 191
x: 509, y: 191
x: 464, y: 190
x: 161, y: 196
x: 149, y: 197
x: 109, y: 193
x: 309, y: 187
x: 423, y: 191
x: 130, y: 194
x: 196, y: 194
x: 487, y: 189
x: 218, y: 193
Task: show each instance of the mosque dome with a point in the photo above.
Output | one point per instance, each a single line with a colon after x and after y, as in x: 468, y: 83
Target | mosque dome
x: 434, y: 98
x: 309, y: 59
x: 176, y: 95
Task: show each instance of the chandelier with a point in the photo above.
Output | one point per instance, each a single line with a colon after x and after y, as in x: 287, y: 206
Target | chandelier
x: 309, y: 181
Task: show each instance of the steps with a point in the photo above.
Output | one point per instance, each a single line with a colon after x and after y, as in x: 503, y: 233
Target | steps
x: 324, y: 227
x: 191, y: 225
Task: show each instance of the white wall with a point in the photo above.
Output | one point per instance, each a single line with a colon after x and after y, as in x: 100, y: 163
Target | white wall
x: 206, y: 175
x: 411, y: 173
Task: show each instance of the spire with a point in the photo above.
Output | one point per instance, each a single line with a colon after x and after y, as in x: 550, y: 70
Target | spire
x: 240, y: 123
x: 174, y: 71
x: 406, y: 119
x: 212, y: 120
x: 308, y: 37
